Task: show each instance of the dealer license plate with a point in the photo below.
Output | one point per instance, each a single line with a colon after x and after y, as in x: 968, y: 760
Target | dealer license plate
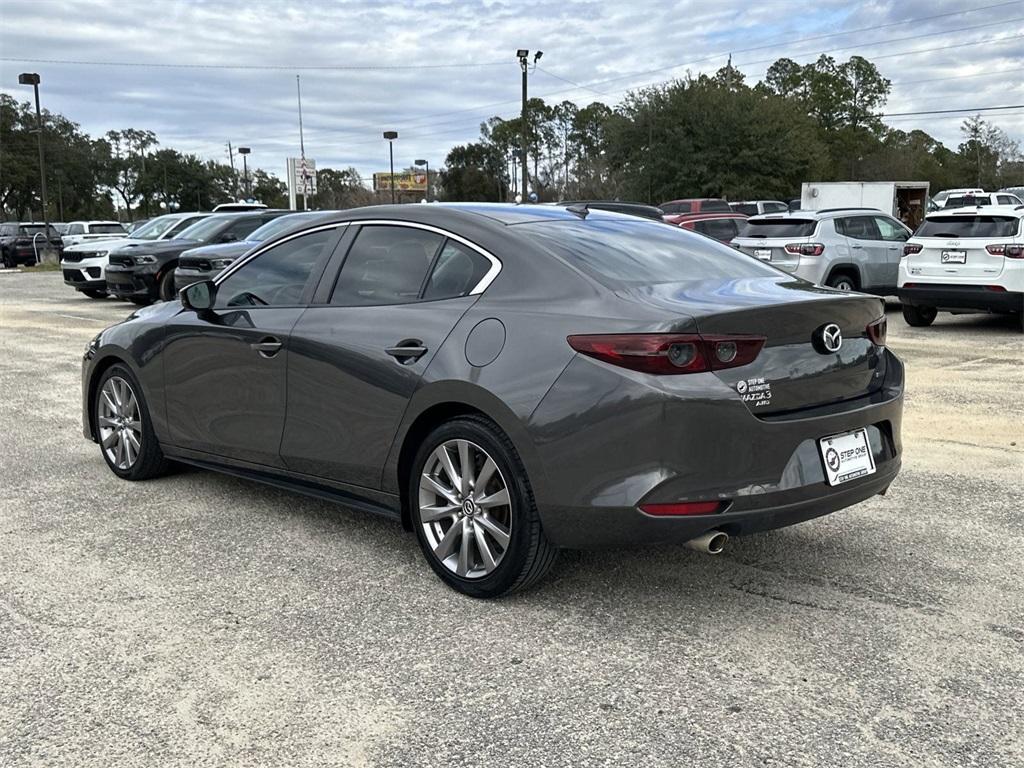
x: 954, y: 257
x: 764, y: 254
x: 846, y: 456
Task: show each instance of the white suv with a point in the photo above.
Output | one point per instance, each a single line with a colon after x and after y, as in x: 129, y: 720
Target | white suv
x: 80, y: 231
x: 964, y: 260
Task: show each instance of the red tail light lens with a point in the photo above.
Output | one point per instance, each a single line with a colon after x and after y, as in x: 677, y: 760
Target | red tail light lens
x: 877, y: 330
x: 684, y: 508
x: 805, y: 249
x: 1009, y: 250
x: 667, y: 353
x: 911, y: 248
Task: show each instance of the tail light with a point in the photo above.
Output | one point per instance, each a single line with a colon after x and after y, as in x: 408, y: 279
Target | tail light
x: 911, y: 248
x: 877, y: 330
x: 805, y: 249
x: 684, y: 508
x: 668, y: 353
x: 1009, y: 250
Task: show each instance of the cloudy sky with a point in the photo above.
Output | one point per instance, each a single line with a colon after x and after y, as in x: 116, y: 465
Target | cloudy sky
x: 202, y: 73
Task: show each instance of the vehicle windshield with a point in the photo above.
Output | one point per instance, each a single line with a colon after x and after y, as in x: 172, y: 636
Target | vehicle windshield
x: 32, y: 229
x: 964, y: 201
x: 204, y: 230
x: 969, y: 226
x: 153, y: 229
x: 278, y: 225
x: 715, y: 206
x: 778, y: 228
x: 637, y: 251
x: 107, y: 229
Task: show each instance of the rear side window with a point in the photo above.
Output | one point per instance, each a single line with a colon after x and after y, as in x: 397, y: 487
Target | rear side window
x: 638, y: 252
x: 747, y: 209
x: 715, y: 206
x: 386, y: 265
x: 1007, y: 200
x: 277, y: 277
x: 456, y: 273
x: 779, y: 228
x: 720, y: 229
x: 858, y: 228
x: 673, y: 208
x: 969, y: 226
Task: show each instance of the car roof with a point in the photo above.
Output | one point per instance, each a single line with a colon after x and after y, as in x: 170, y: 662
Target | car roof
x: 980, y: 210
x: 709, y: 215
x: 824, y: 213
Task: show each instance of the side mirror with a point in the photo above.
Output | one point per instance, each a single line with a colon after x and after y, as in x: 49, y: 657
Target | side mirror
x: 199, y: 296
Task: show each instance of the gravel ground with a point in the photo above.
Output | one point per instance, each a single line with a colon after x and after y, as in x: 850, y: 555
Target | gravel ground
x: 204, y: 620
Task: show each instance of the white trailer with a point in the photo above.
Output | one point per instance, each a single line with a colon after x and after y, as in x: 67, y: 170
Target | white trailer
x: 904, y: 200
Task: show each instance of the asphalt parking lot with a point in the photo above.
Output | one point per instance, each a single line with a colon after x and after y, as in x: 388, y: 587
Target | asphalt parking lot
x: 204, y: 620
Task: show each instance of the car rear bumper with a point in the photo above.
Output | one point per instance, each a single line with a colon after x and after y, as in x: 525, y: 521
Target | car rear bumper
x: 954, y: 297
x: 608, y: 449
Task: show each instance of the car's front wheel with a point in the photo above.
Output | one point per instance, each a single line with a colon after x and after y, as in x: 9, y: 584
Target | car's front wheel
x: 919, y: 317
x: 123, y: 427
x: 165, y: 290
x: 473, y: 510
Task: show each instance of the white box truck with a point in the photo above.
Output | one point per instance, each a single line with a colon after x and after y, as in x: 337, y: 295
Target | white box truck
x: 905, y: 200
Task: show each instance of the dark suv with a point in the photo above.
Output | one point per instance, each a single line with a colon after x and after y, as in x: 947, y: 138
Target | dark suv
x: 144, y: 271
x: 16, y: 245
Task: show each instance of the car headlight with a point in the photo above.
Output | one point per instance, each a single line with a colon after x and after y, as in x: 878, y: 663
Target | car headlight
x: 220, y: 263
x: 100, y: 254
x: 91, y: 347
x: 144, y: 259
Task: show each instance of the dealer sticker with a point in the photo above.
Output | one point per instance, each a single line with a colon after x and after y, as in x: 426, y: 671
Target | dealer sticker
x: 847, y: 456
x: 756, y: 392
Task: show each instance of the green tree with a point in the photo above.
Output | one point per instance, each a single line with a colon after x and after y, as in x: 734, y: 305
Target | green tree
x: 474, y: 172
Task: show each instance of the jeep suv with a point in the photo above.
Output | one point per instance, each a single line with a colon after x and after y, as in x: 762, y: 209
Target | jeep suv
x: 144, y: 271
x: 19, y: 243
x: 964, y: 260
x: 853, y: 249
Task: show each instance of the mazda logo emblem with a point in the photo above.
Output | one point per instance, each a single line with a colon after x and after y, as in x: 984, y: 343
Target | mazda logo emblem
x: 828, y: 339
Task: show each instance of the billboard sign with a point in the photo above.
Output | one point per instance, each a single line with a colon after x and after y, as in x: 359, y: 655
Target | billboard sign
x: 405, y: 181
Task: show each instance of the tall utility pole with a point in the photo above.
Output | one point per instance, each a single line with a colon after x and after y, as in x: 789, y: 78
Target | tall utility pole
x: 244, y: 152
x: 302, y: 144
x: 391, y: 136
x: 32, y: 78
x: 234, y: 174
x: 522, y: 54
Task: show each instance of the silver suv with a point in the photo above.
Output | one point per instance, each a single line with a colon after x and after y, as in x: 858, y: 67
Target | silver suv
x: 853, y: 249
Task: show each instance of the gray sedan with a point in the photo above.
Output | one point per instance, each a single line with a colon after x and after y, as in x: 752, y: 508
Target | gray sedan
x: 509, y: 380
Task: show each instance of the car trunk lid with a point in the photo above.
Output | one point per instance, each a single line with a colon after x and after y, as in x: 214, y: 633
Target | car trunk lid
x: 954, y: 246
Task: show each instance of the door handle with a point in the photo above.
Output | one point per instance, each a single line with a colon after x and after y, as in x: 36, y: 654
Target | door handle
x: 267, y: 347
x: 858, y: 247
x: 408, y: 351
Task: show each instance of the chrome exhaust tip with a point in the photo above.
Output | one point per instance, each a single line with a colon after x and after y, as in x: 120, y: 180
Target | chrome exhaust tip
x: 711, y: 543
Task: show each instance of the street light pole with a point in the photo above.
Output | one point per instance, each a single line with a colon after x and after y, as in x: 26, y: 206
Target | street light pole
x: 391, y: 136
x: 32, y: 78
x: 244, y: 152
x: 522, y: 54
x: 427, y: 165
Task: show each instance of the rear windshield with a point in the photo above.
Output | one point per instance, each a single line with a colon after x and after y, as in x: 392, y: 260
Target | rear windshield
x: 635, y: 251
x: 715, y: 206
x: 32, y: 229
x: 778, y: 228
x: 968, y: 226
x: 106, y: 229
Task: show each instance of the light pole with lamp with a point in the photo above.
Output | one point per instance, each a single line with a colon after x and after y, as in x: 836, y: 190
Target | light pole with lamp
x: 32, y: 78
x: 522, y: 54
x: 391, y: 136
x: 427, y: 166
x: 244, y: 152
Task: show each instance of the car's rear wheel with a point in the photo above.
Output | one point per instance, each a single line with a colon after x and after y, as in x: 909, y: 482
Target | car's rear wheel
x: 842, y: 282
x: 473, y: 510
x: 123, y: 427
x: 919, y: 317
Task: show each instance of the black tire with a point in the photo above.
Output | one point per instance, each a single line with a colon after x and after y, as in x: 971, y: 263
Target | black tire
x: 149, y: 461
x: 95, y: 293
x: 165, y: 290
x: 919, y: 317
x: 842, y: 281
x: 8, y: 263
x: 529, y: 555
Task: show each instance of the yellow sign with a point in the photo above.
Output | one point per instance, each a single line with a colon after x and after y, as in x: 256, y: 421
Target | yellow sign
x: 404, y: 181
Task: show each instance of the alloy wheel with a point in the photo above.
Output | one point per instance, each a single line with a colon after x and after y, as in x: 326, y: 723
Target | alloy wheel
x: 465, y: 509
x: 120, y: 426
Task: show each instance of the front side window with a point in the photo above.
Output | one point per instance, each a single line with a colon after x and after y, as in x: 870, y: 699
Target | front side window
x: 386, y: 265
x: 890, y: 230
x: 278, y: 276
x: 858, y: 228
x: 457, y: 271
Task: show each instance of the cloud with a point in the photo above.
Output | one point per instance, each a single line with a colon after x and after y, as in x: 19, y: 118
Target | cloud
x: 623, y: 44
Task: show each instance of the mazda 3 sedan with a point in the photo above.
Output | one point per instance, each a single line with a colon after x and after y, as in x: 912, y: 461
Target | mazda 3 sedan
x: 510, y: 380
